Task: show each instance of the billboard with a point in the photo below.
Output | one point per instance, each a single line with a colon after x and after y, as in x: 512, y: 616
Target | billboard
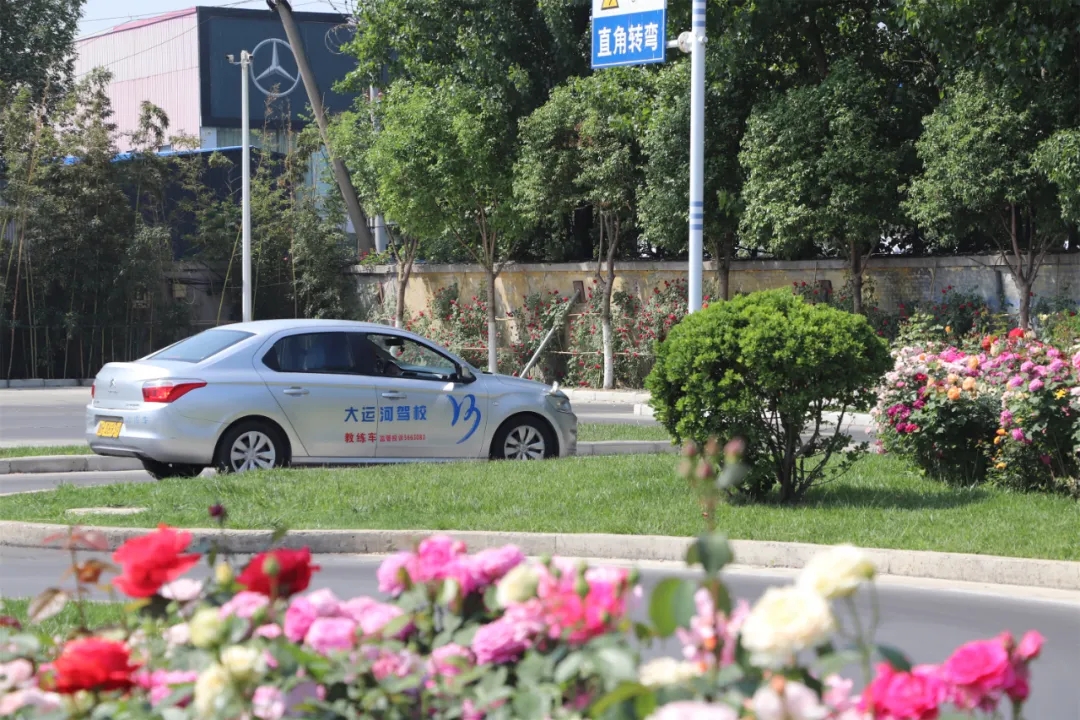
x: 225, y: 31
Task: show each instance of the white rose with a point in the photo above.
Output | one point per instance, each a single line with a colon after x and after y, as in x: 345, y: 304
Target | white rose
x: 787, y: 700
x: 209, y: 686
x: 517, y: 586
x: 783, y: 622
x: 667, y: 671
x: 837, y: 572
x: 244, y: 664
x: 205, y: 627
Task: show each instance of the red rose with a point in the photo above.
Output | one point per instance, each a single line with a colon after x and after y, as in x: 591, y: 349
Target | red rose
x: 292, y: 574
x: 92, y: 664
x: 150, y: 561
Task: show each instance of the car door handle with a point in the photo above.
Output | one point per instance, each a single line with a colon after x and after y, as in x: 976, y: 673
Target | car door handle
x: 295, y: 391
x: 395, y: 395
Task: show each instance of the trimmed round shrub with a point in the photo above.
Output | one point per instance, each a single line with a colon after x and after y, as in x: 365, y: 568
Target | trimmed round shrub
x: 764, y: 367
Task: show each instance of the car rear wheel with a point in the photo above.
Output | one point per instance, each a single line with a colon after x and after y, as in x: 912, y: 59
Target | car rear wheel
x: 250, y: 445
x: 523, y: 438
x: 163, y: 471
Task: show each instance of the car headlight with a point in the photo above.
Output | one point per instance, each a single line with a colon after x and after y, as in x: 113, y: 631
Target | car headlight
x: 560, y: 402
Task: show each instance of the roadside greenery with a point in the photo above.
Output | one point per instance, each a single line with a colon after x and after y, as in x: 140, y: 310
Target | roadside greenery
x: 882, y: 501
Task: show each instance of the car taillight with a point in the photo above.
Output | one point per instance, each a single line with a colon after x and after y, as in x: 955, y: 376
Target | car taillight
x: 166, y: 391
x: 92, y: 385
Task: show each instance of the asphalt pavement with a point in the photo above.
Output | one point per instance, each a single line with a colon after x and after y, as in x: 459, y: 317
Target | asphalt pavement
x: 927, y: 620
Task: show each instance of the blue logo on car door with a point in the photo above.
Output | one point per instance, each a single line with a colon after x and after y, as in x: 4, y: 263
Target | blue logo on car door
x: 471, y: 413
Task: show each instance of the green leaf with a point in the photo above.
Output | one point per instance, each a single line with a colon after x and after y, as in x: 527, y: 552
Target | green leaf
x: 617, y: 663
x: 569, y: 667
x: 626, y: 691
x: 712, y: 552
x: 833, y: 663
x: 894, y: 657
x: 529, y: 704
x: 671, y: 605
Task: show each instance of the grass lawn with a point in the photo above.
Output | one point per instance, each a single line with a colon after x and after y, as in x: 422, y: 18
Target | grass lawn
x: 98, y: 614
x: 880, y: 503
x: 593, y: 432
x: 15, y: 452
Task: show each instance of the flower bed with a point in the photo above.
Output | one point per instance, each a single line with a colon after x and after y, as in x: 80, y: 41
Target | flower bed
x: 1007, y: 412
x: 484, y: 635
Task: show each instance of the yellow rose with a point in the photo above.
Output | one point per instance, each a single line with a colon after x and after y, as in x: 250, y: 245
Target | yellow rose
x: 952, y: 378
x: 205, y: 627
x: 223, y: 573
x: 1060, y: 394
x: 969, y: 384
x: 517, y: 586
x: 1000, y: 466
x: 785, y: 621
x: 244, y: 664
x: 948, y: 329
x: 973, y: 362
x: 211, y: 683
x: 954, y: 393
x: 837, y: 572
x: 667, y: 671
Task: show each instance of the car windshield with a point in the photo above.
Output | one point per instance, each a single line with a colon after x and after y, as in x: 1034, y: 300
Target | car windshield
x: 202, y: 346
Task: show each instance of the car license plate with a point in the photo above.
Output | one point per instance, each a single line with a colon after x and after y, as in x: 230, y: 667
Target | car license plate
x: 109, y: 428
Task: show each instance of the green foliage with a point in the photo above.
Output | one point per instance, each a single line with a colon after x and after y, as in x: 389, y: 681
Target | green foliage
x: 36, y: 53
x: 763, y: 367
x: 822, y: 169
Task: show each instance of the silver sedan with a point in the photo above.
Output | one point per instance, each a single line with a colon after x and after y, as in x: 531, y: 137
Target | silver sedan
x: 270, y: 393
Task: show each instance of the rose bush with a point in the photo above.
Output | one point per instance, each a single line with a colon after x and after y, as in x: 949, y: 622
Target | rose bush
x: 487, y: 635
x: 1008, y: 411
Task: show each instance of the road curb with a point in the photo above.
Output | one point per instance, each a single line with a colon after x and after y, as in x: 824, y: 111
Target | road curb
x: 34, y: 464
x: 614, y: 397
x: 1051, y: 574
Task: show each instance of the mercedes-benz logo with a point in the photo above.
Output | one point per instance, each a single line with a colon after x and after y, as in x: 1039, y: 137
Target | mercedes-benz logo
x: 274, y: 73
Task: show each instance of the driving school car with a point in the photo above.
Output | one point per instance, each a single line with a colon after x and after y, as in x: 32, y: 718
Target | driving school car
x: 269, y: 393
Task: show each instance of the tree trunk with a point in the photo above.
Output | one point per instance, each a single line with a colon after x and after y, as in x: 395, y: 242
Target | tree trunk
x: 1025, y: 301
x: 723, y: 252
x: 493, y: 362
x: 605, y: 311
x: 856, y: 278
x: 399, y: 308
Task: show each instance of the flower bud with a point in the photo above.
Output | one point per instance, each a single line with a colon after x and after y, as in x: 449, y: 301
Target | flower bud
x: 217, y: 512
x: 223, y: 573
x: 271, y: 567
x: 689, y: 450
x: 712, y: 448
x: 581, y: 587
x: 705, y: 471
x: 734, y: 449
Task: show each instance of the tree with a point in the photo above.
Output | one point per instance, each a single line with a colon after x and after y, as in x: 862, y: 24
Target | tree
x: 663, y: 206
x: 36, y: 42
x: 823, y: 168
x: 981, y: 176
x: 583, y: 149
x: 441, y: 165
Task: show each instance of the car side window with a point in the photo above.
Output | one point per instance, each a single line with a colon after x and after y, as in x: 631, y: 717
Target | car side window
x: 323, y: 352
x: 396, y: 356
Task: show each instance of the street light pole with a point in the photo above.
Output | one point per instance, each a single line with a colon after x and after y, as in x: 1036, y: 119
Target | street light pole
x: 245, y: 64
x: 697, y: 153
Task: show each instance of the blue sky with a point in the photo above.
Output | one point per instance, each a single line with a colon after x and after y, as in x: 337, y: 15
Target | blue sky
x: 100, y: 15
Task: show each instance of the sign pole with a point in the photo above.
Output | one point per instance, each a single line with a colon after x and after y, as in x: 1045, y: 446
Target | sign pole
x: 245, y: 63
x: 697, y: 154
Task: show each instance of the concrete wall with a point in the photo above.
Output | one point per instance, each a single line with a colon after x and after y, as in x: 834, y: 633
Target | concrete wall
x: 895, y: 279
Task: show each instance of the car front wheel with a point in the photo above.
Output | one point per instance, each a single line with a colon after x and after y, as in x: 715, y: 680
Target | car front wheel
x: 523, y: 438
x: 164, y: 471
x: 250, y: 445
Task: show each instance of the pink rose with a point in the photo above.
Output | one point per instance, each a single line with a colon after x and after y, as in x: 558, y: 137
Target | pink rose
x: 15, y: 674
x: 507, y: 638
x: 328, y: 634
x: 399, y: 665
x: 694, y: 710
x: 450, y: 660
x: 269, y: 631
x: 44, y: 702
x: 356, y: 607
x: 1030, y: 646
x: 392, y: 573
x: 1018, y: 435
x: 1015, y: 381
x: 268, y: 703
x: 1026, y: 366
x: 376, y: 617
x: 299, y: 617
x: 161, y: 683
x: 1035, y: 385
x: 244, y: 605
x: 434, y: 555
x: 491, y: 565
x: 979, y: 672
x: 893, y: 695
x: 1056, y: 366
x: 325, y: 603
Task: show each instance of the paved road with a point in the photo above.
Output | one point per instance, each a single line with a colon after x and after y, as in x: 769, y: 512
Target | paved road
x: 33, y: 482
x: 925, y: 619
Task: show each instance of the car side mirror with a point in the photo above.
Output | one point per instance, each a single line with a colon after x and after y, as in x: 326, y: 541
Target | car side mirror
x: 464, y: 375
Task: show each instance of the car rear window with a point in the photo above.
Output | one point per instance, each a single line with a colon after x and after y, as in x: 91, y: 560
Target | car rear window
x: 202, y: 346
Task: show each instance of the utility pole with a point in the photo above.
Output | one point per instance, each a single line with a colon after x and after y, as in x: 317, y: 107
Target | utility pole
x: 365, y: 241
x: 694, y: 43
x: 380, y: 221
x: 245, y: 115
